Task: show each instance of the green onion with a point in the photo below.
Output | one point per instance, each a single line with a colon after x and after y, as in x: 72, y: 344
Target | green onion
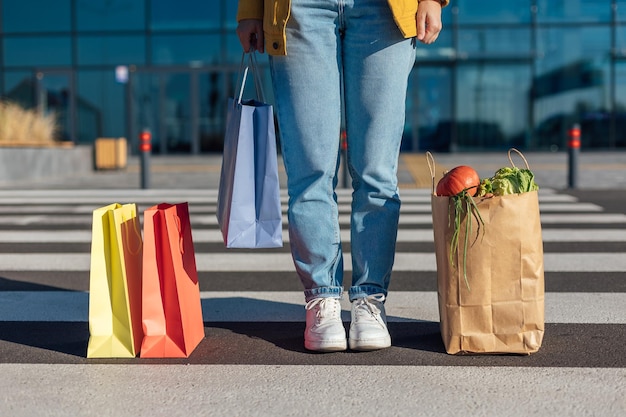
x: 463, y: 203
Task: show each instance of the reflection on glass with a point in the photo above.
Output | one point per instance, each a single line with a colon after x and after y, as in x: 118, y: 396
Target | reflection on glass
x: 621, y: 10
x: 620, y: 74
x: 491, y: 107
x: 233, y: 49
x: 37, y: 52
x: 101, y: 106
x: 176, y: 113
x: 214, y: 93
x: 489, y: 11
x: 428, y: 110
x: 620, y: 32
x: 110, y: 15
x: 195, y: 50
x: 231, y: 15
x: 506, y: 41
x: 185, y: 14
x: 20, y: 16
x: 111, y: 50
x: 589, y: 43
x: 571, y: 84
x: 162, y: 102
x: 619, y: 123
x: 19, y: 87
x: 53, y: 95
x: 573, y: 10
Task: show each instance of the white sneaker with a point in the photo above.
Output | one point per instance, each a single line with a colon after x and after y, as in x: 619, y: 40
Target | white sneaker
x: 324, y: 328
x: 368, y: 330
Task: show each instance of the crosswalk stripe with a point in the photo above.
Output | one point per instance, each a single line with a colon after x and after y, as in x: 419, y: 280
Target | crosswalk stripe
x: 406, y: 218
x: 404, y: 235
x: 280, y: 261
x: 202, y: 208
x: 287, y: 306
x: 17, y: 198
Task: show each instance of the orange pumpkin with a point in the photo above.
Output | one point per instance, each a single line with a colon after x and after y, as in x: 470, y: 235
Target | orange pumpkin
x: 458, y: 179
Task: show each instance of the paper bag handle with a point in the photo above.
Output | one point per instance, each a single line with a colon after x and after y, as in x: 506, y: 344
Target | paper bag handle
x: 134, y: 221
x: 431, y: 166
x: 179, y: 227
x: 520, y: 154
x: 243, y: 74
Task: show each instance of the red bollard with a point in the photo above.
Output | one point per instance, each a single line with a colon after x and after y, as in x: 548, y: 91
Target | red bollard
x: 573, y: 146
x: 145, y: 149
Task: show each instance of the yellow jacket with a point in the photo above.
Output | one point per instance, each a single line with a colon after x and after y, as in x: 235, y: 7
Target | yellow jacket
x: 275, y: 14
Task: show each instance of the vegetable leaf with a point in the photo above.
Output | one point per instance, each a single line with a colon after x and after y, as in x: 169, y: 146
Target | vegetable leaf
x: 513, y: 181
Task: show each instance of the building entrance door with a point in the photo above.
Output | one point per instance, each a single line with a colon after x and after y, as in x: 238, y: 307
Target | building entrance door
x: 617, y: 125
x: 184, y: 109
x: 161, y: 103
x: 491, y: 105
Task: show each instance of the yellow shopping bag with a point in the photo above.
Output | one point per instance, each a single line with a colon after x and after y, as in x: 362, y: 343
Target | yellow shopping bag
x: 115, y: 283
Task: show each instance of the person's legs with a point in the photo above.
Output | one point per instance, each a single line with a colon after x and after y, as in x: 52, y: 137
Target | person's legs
x: 308, y: 103
x: 377, y: 61
x: 307, y: 95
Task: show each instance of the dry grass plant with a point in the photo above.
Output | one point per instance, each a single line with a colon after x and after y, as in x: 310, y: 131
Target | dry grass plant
x: 19, y: 126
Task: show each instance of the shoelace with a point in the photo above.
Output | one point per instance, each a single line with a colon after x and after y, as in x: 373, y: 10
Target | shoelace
x: 370, y: 303
x: 325, y: 304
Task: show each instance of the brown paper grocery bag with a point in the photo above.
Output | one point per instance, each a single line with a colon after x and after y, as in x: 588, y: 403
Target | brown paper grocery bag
x: 491, y: 293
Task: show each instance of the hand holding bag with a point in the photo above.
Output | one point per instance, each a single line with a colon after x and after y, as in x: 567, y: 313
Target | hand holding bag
x: 248, y: 206
x: 491, y: 296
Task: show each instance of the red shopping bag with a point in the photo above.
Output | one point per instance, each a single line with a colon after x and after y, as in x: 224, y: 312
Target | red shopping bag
x: 171, y: 309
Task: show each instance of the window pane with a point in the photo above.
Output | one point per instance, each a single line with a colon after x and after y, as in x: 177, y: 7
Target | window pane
x: 489, y: 11
x: 505, y: 41
x: 233, y: 49
x: 231, y: 14
x: 186, y: 49
x: 37, y: 52
x: 100, y: 106
x: 428, y: 110
x: 19, y: 87
x: 589, y: 43
x: 110, y: 15
x: 620, y: 105
x: 36, y: 16
x: 621, y: 10
x: 185, y: 14
x: 573, y: 10
x: 621, y: 39
x: 214, y: 93
x: 572, y: 83
x: 492, y: 106
x: 113, y: 50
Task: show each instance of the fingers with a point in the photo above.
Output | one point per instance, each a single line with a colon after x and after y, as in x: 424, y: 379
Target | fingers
x: 428, y: 21
x: 250, y: 34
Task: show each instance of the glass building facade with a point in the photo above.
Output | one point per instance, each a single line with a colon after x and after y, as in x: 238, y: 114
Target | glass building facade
x: 508, y: 73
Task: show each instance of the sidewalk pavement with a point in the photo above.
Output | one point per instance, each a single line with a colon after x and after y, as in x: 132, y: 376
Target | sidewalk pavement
x: 596, y: 170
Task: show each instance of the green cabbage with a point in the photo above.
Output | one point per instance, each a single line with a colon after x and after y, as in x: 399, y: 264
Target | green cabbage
x: 513, y: 181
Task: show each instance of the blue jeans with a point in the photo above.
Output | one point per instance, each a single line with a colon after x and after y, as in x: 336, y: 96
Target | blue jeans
x: 357, y: 41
